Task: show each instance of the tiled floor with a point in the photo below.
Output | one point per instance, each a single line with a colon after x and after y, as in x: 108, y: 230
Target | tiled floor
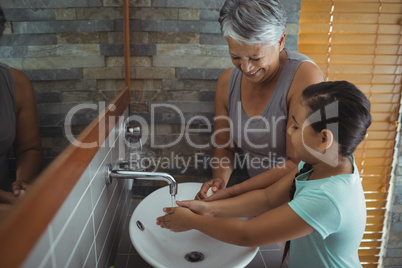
x: 127, y: 257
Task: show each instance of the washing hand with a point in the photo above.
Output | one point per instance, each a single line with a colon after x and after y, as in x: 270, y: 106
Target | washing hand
x: 176, y: 219
x: 198, y: 207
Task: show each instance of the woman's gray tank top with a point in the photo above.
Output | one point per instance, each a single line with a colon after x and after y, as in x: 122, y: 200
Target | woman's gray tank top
x: 263, y: 139
x: 8, y: 116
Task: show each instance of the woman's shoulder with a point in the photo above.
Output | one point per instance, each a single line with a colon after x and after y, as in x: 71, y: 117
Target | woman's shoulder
x: 20, y: 77
x: 223, y: 80
x: 222, y: 88
x: 308, y: 73
x: 225, y: 75
x: 23, y: 88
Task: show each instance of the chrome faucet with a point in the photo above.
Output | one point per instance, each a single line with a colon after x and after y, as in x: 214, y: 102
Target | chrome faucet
x: 141, y: 175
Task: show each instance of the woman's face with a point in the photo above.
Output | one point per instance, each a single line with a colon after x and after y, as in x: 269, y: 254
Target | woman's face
x: 257, y: 62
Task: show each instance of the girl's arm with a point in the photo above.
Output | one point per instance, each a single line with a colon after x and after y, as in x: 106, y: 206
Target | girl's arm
x: 254, y: 203
x: 277, y: 221
x: 279, y: 224
x: 247, y: 205
x: 261, y: 181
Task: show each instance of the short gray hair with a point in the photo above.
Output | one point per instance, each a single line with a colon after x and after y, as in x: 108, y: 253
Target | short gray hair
x: 253, y: 21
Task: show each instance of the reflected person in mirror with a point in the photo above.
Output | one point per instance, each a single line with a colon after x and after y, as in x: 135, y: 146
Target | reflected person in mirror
x: 19, y: 130
x: 254, y: 98
x: 321, y: 209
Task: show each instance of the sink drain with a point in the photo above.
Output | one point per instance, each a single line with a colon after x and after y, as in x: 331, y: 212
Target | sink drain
x: 194, y: 256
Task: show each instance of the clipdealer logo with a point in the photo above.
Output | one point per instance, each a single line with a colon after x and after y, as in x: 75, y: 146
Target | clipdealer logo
x: 148, y: 131
x: 149, y: 139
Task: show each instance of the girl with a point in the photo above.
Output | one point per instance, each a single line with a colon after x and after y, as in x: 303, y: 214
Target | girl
x: 324, y: 215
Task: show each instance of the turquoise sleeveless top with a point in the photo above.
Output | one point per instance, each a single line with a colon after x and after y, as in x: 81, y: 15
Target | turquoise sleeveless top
x: 336, y: 208
x: 263, y: 139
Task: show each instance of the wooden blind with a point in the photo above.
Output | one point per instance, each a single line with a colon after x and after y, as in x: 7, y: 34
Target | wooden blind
x: 360, y: 41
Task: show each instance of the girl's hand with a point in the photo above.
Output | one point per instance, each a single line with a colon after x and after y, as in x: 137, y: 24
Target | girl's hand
x: 198, y: 207
x: 177, y: 219
x: 222, y: 194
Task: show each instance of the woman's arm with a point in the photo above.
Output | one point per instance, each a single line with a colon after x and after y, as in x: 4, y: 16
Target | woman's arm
x: 223, y: 148
x: 27, y: 144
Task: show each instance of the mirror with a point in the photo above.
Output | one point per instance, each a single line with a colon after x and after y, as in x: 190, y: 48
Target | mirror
x: 32, y: 214
x: 73, y: 55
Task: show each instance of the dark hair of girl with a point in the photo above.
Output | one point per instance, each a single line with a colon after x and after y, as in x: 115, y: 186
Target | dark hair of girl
x: 353, y: 118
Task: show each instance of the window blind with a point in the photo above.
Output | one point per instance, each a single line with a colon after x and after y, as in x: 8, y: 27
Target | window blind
x: 360, y: 41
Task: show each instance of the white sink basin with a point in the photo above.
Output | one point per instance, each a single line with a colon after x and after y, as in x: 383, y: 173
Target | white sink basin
x: 163, y: 248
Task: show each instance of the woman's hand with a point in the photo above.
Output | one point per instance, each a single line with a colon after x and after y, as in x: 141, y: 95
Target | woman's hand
x: 215, y: 185
x: 19, y: 187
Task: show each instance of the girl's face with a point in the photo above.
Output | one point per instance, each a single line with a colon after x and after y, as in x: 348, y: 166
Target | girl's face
x: 257, y: 62
x: 302, y: 135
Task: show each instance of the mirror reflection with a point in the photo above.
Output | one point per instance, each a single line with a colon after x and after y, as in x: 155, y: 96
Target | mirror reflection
x: 19, y: 132
x: 53, y: 58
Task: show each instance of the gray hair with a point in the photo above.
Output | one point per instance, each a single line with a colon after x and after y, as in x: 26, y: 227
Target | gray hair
x: 253, y: 21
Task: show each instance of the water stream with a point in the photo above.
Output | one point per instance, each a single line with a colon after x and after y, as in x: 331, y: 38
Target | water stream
x: 173, y: 201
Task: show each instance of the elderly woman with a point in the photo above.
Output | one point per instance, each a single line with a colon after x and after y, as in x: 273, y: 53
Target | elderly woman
x: 253, y: 100
x: 19, y: 130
